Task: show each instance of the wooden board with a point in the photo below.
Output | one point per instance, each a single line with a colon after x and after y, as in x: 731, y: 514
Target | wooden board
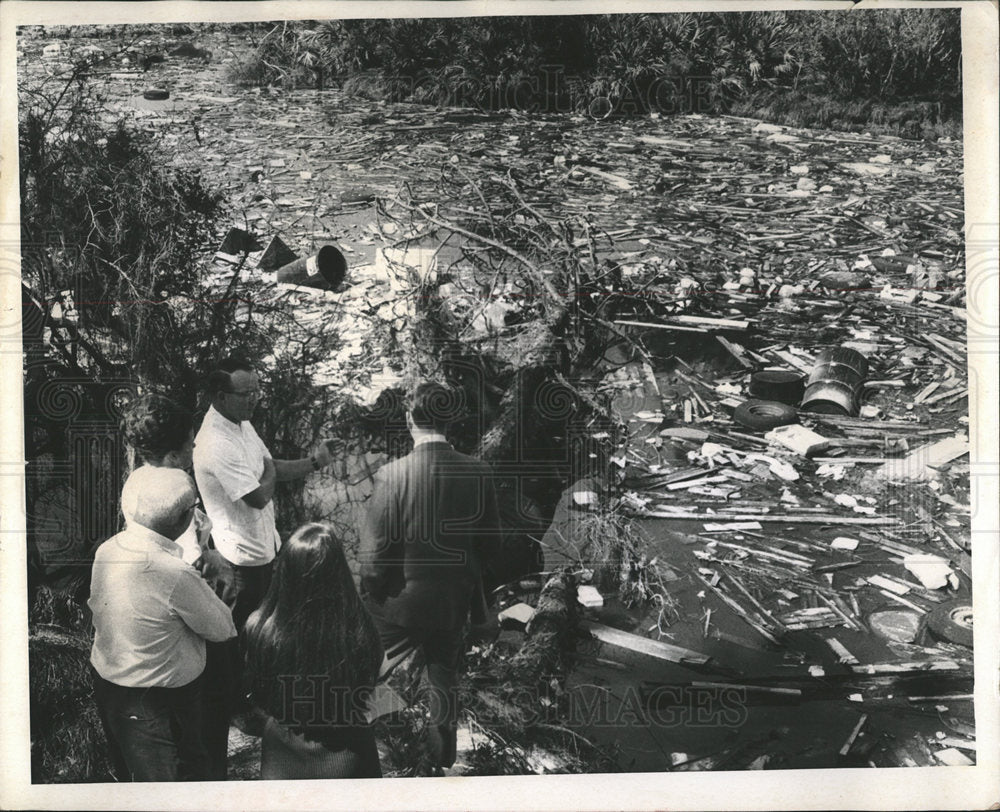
x: 644, y: 645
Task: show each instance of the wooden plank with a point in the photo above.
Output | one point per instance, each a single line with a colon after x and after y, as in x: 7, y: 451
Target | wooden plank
x: 739, y: 611
x: 791, y: 360
x: 692, y: 483
x: 846, y: 748
x: 761, y: 517
x: 851, y: 460
x: 954, y: 392
x: 906, y: 668
x: 677, y: 327
x: 857, y: 422
x: 729, y: 324
x: 760, y: 689
x: 615, y: 180
x: 644, y: 645
x: 735, y: 350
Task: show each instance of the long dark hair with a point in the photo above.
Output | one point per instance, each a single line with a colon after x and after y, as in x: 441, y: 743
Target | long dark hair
x: 312, y: 637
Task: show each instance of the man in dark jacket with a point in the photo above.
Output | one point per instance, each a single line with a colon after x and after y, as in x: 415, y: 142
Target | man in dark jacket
x: 432, y: 524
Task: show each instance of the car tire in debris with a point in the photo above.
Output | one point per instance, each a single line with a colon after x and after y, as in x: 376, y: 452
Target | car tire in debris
x: 764, y: 415
x: 156, y: 94
x: 952, y: 621
x: 781, y: 385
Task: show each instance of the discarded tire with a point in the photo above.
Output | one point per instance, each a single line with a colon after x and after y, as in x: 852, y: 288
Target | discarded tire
x: 952, y: 621
x: 764, y: 415
x: 156, y: 94
x: 781, y: 385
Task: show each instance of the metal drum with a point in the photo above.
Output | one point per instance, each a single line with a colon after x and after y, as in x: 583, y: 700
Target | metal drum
x: 325, y: 269
x: 834, y: 385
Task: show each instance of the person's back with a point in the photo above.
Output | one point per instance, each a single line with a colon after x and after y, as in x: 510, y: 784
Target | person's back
x: 152, y: 613
x: 138, y: 594
x: 431, y: 524
x: 436, y: 505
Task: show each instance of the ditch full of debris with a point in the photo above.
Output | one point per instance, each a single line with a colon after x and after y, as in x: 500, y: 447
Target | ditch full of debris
x: 764, y: 559
x: 718, y: 366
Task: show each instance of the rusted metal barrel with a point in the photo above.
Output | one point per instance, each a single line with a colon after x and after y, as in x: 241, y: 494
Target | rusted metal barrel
x: 835, y: 383
x: 325, y: 269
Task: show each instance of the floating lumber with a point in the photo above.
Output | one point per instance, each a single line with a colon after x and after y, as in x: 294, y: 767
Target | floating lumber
x: 695, y: 324
x: 846, y: 748
x: 740, y: 612
x: 738, y: 352
x: 962, y: 744
x: 644, y: 645
x: 727, y: 324
x: 905, y: 668
x: 615, y: 180
x: 760, y: 517
x: 762, y: 689
x: 861, y: 423
x: 660, y: 326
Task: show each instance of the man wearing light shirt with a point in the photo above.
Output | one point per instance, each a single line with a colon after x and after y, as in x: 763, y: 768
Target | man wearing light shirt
x: 160, y: 433
x: 152, y: 615
x: 236, y: 477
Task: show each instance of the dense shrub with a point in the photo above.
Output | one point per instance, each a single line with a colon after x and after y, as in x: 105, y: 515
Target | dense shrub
x: 882, y: 54
x: 710, y: 62
x: 116, y: 243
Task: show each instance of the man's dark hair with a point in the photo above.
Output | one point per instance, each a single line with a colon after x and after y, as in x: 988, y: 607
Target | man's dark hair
x: 219, y: 378
x: 154, y: 426
x: 434, y: 406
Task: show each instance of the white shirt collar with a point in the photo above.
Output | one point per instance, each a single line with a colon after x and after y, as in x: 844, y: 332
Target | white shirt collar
x: 429, y: 438
x: 219, y: 419
x: 140, y: 533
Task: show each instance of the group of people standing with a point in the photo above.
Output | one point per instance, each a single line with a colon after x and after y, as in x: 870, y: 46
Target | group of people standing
x: 202, y: 615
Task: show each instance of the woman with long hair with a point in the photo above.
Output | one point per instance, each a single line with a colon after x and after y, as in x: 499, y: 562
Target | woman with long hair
x: 312, y: 656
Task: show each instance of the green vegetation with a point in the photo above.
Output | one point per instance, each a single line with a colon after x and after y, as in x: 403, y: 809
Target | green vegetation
x: 116, y: 298
x: 895, y: 70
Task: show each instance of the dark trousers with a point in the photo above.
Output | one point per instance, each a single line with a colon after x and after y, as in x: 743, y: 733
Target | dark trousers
x: 155, y: 734
x: 442, y: 650
x: 220, y: 695
x: 249, y: 587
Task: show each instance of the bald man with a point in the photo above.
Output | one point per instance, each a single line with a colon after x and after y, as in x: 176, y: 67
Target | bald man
x: 152, y: 615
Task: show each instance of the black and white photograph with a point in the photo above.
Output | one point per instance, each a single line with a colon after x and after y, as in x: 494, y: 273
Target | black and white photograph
x: 423, y: 391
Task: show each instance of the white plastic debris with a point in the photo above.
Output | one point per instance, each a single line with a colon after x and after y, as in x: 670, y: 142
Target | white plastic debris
x: 709, y: 450
x: 932, y: 571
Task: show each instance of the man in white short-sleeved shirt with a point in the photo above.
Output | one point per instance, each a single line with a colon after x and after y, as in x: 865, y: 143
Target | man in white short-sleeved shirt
x: 236, y: 476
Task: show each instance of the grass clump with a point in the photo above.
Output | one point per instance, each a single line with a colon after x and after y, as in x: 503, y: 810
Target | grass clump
x: 639, y: 63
